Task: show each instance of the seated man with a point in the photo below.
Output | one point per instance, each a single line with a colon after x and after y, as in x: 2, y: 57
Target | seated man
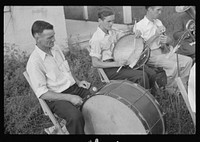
x: 102, y: 45
x: 151, y: 30
x: 52, y: 79
x: 187, y: 15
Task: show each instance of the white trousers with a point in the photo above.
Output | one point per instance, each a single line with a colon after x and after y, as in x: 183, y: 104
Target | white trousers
x: 169, y: 64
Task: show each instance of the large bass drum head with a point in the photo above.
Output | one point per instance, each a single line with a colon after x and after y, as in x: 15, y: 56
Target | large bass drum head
x: 105, y: 115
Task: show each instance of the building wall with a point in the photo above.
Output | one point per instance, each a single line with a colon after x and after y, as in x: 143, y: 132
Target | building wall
x: 18, y: 22
x: 81, y: 31
x: 72, y: 24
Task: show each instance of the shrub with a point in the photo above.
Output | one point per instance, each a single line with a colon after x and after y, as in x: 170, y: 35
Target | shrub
x: 21, y: 107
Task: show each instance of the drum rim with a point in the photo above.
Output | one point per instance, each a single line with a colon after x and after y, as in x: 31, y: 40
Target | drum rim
x: 133, y: 108
x: 144, y: 46
x: 124, y: 36
x: 149, y: 53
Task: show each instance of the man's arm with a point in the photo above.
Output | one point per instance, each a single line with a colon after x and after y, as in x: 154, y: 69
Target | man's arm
x: 53, y: 96
x: 38, y: 81
x: 99, y: 64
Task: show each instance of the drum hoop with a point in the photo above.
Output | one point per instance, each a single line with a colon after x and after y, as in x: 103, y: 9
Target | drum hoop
x: 126, y: 103
x: 124, y: 36
x: 141, y: 53
x: 157, y: 105
x: 149, y: 53
x: 133, y: 108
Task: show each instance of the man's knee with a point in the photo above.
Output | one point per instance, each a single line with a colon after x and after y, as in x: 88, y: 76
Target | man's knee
x: 76, y: 117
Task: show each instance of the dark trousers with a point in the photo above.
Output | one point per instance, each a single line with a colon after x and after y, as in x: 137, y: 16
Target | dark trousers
x: 187, y: 49
x: 145, y: 79
x: 66, y: 110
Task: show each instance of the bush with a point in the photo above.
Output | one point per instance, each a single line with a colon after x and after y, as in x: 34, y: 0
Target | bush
x: 21, y: 107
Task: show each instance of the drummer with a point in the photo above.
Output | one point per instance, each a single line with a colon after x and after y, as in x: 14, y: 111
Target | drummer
x: 102, y: 45
x: 149, y: 28
x: 52, y: 79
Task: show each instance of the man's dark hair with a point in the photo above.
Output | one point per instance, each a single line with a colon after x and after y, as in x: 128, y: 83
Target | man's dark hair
x: 104, y: 12
x: 146, y: 7
x: 40, y: 26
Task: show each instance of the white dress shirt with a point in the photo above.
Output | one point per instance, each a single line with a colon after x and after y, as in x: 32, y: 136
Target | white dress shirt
x: 48, y: 72
x: 102, y: 44
x: 148, y: 29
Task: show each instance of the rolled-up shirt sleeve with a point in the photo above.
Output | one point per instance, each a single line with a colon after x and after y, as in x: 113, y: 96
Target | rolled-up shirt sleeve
x: 37, y: 77
x: 95, y: 49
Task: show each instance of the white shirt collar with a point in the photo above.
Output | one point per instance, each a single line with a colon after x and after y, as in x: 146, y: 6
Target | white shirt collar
x: 43, y: 54
x: 147, y: 21
x: 101, y: 32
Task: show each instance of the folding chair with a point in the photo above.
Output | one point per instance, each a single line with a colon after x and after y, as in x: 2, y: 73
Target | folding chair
x: 100, y: 71
x: 103, y: 75
x: 58, y: 128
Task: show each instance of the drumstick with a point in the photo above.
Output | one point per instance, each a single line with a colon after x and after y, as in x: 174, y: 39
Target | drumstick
x: 119, y: 69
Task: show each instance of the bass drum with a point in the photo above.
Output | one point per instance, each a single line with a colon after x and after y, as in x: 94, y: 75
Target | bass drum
x: 122, y: 107
x: 126, y: 45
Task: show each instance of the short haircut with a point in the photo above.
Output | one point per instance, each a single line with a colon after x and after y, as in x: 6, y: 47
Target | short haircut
x: 104, y: 12
x: 40, y: 26
x: 146, y: 7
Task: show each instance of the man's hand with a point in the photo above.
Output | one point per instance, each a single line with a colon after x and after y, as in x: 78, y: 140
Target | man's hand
x: 122, y: 63
x: 76, y: 100
x: 164, y: 39
x: 138, y: 33
x: 84, y: 84
x: 160, y: 30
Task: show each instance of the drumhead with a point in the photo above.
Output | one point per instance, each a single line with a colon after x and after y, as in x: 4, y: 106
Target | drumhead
x: 125, y: 46
x: 106, y: 115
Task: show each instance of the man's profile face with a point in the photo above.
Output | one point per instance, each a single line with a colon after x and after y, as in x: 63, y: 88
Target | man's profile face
x: 155, y: 11
x: 107, y: 22
x: 46, y: 39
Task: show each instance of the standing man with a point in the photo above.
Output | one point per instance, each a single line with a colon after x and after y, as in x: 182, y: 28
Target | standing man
x: 53, y: 80
x: 151, y: 29
x: 186, y: 16
x: 102, y: 44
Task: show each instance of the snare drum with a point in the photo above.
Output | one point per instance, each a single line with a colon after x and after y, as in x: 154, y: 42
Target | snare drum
x: 128, y: 44
x: 122, y: 107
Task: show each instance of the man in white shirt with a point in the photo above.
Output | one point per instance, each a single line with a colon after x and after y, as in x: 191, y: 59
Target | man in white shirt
x: 102, y: 44
x: 151, y: 29
x: 52, y: 79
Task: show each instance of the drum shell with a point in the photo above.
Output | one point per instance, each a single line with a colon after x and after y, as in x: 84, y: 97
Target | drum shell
x: 141, y: 102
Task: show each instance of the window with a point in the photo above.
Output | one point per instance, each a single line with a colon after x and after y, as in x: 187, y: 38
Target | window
x: 74, y: 12
x: 138, y: 12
